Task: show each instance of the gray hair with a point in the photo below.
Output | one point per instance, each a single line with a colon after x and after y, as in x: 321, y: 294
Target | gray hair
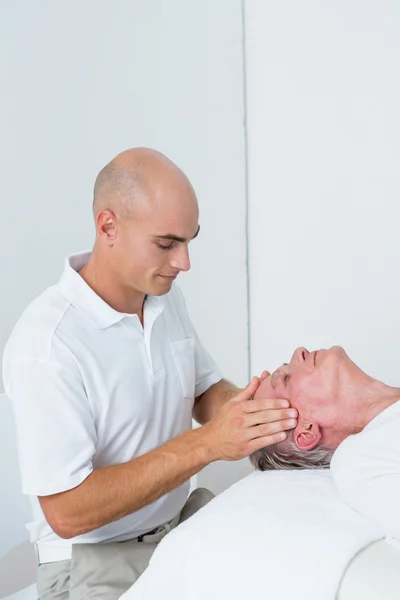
x: 286, y: 455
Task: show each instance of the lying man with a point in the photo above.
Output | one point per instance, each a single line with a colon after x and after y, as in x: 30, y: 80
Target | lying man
x: 348, y: 421
x: 294, y: 532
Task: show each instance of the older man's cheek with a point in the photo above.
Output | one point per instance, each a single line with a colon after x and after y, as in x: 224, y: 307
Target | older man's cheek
x: 265, y: 390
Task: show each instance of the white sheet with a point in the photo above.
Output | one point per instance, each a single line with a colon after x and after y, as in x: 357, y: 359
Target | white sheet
x: 272, y: 535
x: 366, y: 470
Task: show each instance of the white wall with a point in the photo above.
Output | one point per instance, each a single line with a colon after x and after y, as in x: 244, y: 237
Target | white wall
x: 323, y: 97
x: 84, y: 80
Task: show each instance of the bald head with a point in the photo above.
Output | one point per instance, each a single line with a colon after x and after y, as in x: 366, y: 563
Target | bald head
x: 132, y: 179
x: 146, y: 213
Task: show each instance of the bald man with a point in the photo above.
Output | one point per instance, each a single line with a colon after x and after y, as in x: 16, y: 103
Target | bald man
x: 105, y: 372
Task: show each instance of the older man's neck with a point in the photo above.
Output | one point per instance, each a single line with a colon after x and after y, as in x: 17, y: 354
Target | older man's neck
x: 376, y: 399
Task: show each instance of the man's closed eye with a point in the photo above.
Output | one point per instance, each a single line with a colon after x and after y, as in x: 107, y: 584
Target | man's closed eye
x: 286, y: 380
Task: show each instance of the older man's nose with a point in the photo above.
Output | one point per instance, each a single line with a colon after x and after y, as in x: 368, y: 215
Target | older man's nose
x: 300, y: 354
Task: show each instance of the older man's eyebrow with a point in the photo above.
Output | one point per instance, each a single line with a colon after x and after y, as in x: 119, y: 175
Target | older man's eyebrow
x: 176, y: 238
x: 274, y: 375
x: 277, y: 375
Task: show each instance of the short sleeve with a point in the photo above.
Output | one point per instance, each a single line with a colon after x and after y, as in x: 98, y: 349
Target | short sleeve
x: 55, y: 429
x: 206, y: 370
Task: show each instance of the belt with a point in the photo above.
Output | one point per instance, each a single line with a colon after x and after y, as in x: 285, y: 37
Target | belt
x: 47, y: 554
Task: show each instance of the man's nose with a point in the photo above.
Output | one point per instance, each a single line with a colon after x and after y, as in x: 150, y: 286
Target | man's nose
x: 181, y: 260
x: 300, y: 354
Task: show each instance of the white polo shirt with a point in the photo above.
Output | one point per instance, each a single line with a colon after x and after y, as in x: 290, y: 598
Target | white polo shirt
x: 91, y: 387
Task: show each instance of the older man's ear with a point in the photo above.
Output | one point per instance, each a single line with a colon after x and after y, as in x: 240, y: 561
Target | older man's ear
x: 307, y: 435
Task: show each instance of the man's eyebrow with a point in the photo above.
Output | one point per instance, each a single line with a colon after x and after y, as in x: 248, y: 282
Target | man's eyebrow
x: 176, y: 238
x: 274, y: 375
x: 277, y: 374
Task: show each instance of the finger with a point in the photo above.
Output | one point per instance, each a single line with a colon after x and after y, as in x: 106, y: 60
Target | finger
x: 248, y: 391
x: 264, y: 375
x: 271, y: 428
x: 271, y: 416
x: 265, y: 404
x: 264, y: 442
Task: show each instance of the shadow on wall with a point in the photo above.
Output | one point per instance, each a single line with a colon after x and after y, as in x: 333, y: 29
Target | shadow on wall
x: 17, y: 556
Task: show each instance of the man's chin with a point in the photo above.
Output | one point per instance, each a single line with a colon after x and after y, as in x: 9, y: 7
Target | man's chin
x: 162, y: 285
x: 339, y: 351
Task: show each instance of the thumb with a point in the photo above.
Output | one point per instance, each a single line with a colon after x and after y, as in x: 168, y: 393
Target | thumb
x: 264, y: 375
x: 248, y: 392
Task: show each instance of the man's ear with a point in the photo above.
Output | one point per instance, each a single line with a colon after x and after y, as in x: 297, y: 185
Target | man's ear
x: 106, y: 223
x: 307, y: 435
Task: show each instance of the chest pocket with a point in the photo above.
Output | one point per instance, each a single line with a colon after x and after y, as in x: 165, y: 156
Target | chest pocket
x: 183, y: 353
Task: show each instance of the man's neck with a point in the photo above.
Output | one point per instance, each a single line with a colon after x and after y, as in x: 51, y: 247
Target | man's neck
x: 101, y: 278
x: 373, y: 399
x: 381, y: 404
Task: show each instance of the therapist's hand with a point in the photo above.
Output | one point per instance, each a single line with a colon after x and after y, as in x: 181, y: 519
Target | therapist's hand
x: 243, y: 425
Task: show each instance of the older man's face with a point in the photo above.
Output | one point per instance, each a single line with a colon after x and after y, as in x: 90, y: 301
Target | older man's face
x: 311, y: 382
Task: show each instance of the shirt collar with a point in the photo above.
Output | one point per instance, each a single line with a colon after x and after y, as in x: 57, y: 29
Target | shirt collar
x: 84, y: 299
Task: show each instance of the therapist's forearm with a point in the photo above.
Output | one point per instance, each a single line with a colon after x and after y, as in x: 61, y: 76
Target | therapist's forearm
x: 208, y: 404
x: 110, y: 493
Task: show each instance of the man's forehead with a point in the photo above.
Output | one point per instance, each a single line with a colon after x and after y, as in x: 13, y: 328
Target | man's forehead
x: 174, y: 236
x: 281, y: 368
